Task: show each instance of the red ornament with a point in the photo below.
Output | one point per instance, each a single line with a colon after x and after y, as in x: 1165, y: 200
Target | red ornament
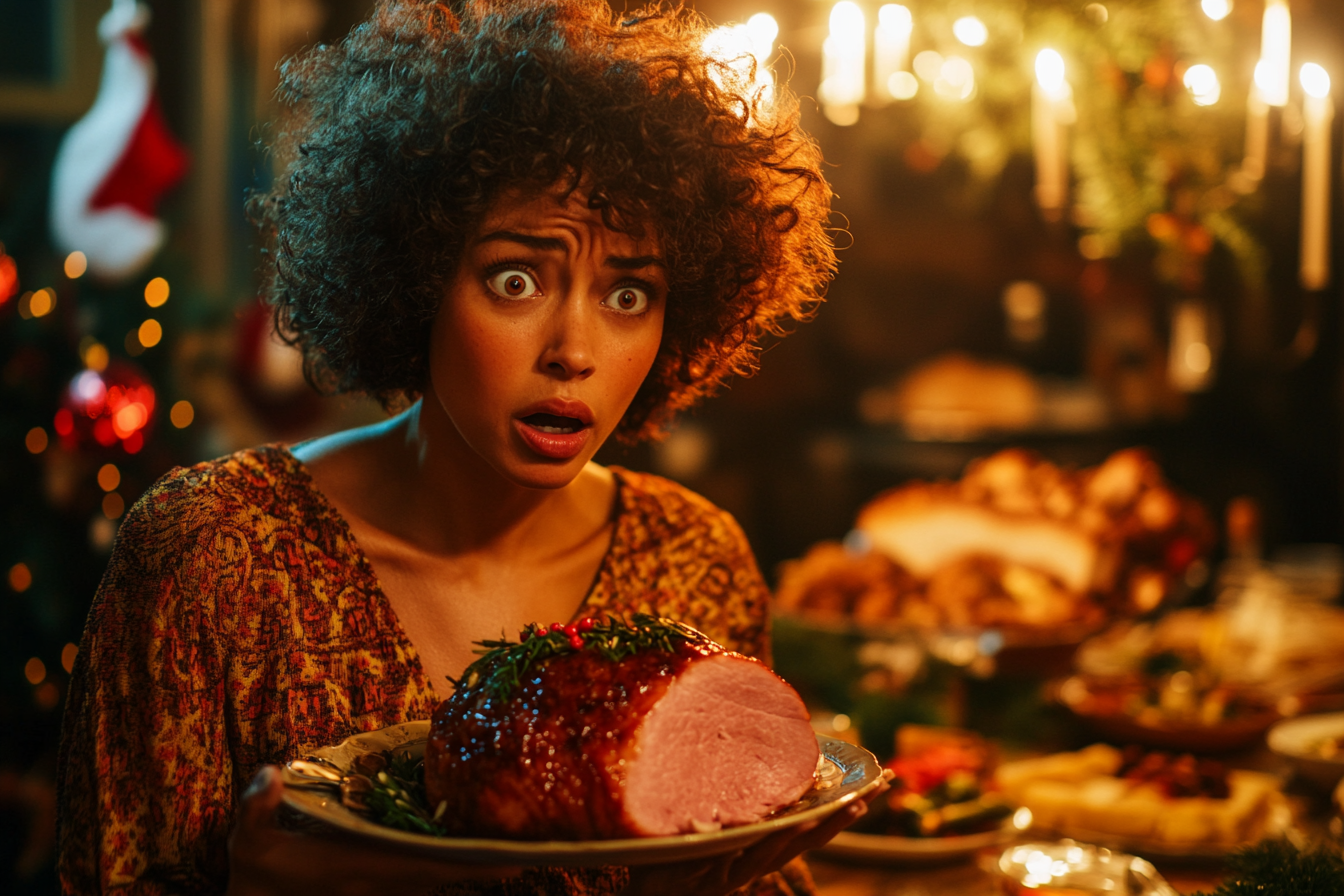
x: 586, y: 624
x: 571, y: 630
x: 111, y: 406
x: 576, y: 642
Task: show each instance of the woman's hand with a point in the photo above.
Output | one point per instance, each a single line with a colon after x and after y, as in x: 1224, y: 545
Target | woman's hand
x: 724, y: 874
x: 265, y: 860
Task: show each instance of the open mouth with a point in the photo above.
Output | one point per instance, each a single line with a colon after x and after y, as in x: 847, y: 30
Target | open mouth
x: 553, y: 423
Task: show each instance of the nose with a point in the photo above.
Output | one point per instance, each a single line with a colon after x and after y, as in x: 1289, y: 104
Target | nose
x: 568, y: 352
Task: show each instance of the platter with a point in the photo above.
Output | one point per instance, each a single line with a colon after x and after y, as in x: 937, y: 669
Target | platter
x: 1297, y: 740
x: 845, y: 773
x: 880, y: 849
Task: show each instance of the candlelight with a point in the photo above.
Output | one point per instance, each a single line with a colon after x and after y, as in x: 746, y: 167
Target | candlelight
x: 1050, y: 113
x: 1272, y: 72
x: 1318, y: 114
x: 843, y: 64
x: 1050, y: 72
x: 1216, y: 9
x: 746, y: 50
x: 1202, y: 82
x: 891, y: 48
x: 970, y: 31
x: 956, y: 79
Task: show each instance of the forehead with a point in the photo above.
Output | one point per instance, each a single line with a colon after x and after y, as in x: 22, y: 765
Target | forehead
x: 556, y: 211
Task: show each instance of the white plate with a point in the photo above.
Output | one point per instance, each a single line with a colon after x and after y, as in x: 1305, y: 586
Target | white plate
x: 846, y: 773
x: 1296, y: 740
x: 891, y: 850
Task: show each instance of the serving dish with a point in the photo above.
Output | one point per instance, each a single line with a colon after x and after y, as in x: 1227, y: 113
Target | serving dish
x: 845, y: 773
x: 891, y: 850
x: 1298, y: 740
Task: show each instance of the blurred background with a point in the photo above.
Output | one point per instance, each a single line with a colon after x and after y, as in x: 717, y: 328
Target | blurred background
x: 1068, y: 227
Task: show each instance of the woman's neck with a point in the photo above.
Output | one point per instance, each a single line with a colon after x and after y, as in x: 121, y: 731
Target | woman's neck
x: 416, y: 480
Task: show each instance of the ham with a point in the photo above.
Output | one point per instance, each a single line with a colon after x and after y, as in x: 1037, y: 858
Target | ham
x: 649, y: 729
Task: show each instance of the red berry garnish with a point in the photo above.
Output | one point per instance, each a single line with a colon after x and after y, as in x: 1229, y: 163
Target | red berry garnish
x: 571, y: 630
x: 525, y: 634
x: 557, y: 626
x: 576, y: 642
x: 586, y: 624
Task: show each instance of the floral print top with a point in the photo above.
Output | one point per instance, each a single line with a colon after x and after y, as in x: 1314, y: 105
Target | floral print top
x: 239, y: 623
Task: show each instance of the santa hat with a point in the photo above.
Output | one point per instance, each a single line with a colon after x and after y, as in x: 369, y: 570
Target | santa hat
x: 118, y: 160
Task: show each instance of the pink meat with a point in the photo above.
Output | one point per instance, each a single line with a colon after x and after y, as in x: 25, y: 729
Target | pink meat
x: 656, y: 744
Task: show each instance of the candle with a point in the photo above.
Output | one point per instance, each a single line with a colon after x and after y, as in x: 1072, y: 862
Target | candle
x: 1318, y: 112
x: 1276, y: 41
x: 1257, y: 134
x: 891, y: 47
x: 1049, y: 96
x: 844, y: 58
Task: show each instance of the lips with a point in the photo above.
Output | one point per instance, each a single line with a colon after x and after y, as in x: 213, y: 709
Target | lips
x: 557, y: 429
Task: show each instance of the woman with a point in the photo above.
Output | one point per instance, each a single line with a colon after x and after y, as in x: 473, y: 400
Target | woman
x: 538, y: 228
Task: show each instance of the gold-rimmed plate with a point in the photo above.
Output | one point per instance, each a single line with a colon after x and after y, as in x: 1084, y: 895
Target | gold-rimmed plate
x: 845, y: 773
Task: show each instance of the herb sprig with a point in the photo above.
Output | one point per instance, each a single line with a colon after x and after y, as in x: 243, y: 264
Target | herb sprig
x: 504, y: 663
x: 398, y: 798
x: 1277, y: 868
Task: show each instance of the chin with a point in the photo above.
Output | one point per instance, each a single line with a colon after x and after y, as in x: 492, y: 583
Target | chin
x: 543, y: 474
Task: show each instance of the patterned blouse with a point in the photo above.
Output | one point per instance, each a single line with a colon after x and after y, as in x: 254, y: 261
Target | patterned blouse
x: 239, y: 624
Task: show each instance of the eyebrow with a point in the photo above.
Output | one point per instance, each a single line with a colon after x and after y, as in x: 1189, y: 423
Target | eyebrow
x: 552, y: 244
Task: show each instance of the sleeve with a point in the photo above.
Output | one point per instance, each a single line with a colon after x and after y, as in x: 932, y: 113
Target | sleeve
x: 145, y: 777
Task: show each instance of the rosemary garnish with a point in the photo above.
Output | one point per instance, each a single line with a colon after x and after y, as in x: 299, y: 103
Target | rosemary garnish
x: 398, y: 798
x: 503, y: 663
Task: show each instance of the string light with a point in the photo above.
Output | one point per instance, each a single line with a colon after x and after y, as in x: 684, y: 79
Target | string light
x: 36, y: 440
x: 68, y: 654
x: 109, y: 477
x: 156, y: 292
x: 970, y: 31
x: 150, y: 332
x: 113, y: 505
x: 1202, y: 82
x: 1216, y: 9
x: 181, y: 414
x: 75, y: 265
x: 20, y: 577
x: 35, y: 670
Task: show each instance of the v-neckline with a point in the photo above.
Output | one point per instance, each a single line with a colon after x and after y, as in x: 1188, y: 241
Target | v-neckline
x: 374, y: 586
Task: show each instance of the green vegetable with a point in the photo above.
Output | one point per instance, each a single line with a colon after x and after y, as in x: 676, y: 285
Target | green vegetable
x: 1277, y: 868
x: 398, y: 797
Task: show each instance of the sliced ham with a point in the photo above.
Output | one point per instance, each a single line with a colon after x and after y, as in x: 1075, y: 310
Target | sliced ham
x: 658, y: 743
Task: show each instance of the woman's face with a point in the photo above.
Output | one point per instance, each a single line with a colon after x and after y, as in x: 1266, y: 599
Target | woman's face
x: 545, y: 335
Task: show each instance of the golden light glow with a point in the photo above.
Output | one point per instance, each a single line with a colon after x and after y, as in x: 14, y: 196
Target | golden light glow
x: 1276, y: 42
x: 181, y: 414
x: 68, y: 654
x: 1202, y: 82
x: 929, y: 65
x: 1216, y: 9
x: 109, y: 477
x: 156, y: 292
x: 903, y: 85
x: 75, y: 265
x: 150, y: 333
x: 970, y: 31
x: 20, y: 577
x: 47, y: 695
x: 9, y: 276
x: 35, y: 671
x: 96, y: 357
x: 1315, y: 80
x: 113, y: 505
x: 36, y: 440
x: 956, y: 79
x: 129, y: 419
x: 42, y: 302
x: 1050, y: 72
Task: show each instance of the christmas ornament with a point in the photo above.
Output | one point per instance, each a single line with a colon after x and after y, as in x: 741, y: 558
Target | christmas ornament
x: 118, y: 160
x: 107, y: 407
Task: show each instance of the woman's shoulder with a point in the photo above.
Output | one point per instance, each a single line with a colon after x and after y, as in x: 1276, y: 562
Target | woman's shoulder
x: 235, y: 486
x: 669, y: 509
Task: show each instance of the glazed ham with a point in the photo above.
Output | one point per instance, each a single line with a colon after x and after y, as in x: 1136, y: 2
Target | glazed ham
x: 602, y: 738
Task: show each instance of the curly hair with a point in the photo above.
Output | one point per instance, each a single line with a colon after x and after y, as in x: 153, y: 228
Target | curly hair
x: 402, y: 135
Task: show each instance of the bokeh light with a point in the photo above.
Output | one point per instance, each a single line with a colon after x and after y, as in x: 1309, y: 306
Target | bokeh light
x: 1216, y: 9
x: 109, y: 477
x: 68, y: 654
x: 1315, y: 80
x: 150, y: 332
x: 113, y: 505
x: 1202, y: 82
x: 75, y: 265
x: 181, y: 414
x: 36, y: 440
x: 96, y: 357
x: 156, y: 292
x: 970, y: 31
x: 42, y: 302
x: 35, y: 670
x: 903, y: 85
x: 9, y: 276
x: 20, y: 577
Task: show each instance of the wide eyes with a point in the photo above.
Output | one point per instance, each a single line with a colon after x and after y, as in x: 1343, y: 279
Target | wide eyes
x: 513, y: 284
x: 628, y: 299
